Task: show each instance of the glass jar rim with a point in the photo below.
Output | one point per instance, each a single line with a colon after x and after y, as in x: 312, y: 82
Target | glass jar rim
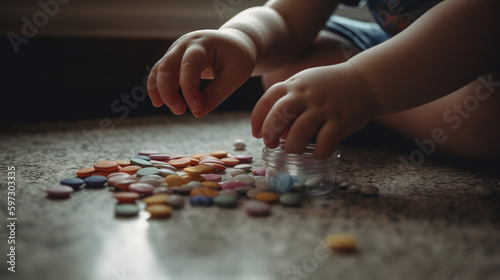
x: 279, y: 154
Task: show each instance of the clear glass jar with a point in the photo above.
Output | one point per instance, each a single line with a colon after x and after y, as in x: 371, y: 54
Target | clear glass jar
x: 301, y: 173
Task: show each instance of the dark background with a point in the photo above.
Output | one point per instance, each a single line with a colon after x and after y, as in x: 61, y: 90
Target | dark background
x: 60, y: 78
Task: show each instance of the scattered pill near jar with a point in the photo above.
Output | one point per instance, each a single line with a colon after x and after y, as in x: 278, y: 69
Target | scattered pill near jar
x: 341, y: 242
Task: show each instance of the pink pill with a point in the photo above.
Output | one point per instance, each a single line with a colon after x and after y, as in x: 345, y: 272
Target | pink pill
x: 160, y: 157
x: 60, y: 191
x: 257, y: 208
x: 148, y: 152
x: 212, y: 177
x: 115, y: 179
x: 231, y: 185
x: 141, y: 188
x: 261, y: 171
x: 244, y: 157
x: 125, y: 183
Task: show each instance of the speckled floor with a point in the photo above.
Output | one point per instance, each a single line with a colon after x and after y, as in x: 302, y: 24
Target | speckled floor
x: 426, y: 223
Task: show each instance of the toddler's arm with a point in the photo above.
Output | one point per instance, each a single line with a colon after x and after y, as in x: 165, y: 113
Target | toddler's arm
x: 256, y: 40
x: 445, y: 49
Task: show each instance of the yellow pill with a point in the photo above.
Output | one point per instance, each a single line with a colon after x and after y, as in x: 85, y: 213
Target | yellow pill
x: 199, y: 169
x: 219, y: 154
x: 341, y: 242
x: 194, y: 177
x: 175, y: 180
x: 211, y: 184
x: 156, y: 199
x: 268, y: 197
x: 159, y: 211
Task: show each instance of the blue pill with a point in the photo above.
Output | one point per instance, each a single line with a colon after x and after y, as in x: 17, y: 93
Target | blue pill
x: 286, y: 182
x: 143, y: 157
x: 75, y: 183
x: 95, y: 181
x: 201, y: 201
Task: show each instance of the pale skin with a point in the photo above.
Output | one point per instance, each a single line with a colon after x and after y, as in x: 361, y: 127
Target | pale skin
x: 408, y: 83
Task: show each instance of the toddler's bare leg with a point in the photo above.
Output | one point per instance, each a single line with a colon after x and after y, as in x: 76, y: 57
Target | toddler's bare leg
x: 464, y: 123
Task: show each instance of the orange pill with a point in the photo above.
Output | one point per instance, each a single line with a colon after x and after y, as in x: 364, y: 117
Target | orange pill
x: 268, y: 197
x: 204, y: 192
x: 219, y: 154
x: 192, y: 178
x: 126, y: 197
x: 230, y: 161
x: 180, y: 162
x: 85, y: 172
x: 198, y: 169
x: 198, y: 155
x: 103, y: 173
x: 160, y: 198
x: 131, y: 169
x: 217, y: 166
x: 211, y: 184
x: 175, y: 180
x: 122, y: 163
x: 158, y: 211
x: 193, y: 160
x: 106, y: 165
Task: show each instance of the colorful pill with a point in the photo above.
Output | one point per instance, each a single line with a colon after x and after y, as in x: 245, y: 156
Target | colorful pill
x: 131, y: 169
x: 85, y: 172
x: 201, y: 201
x: 231, y: 185
x: 126, y: 210
x: 159, y: 211
x: 126, y: 197
x: 95, y: 181
x: 341, y: 242
x: 268, y: 197
x: 209, y: 192
x: 140, y: 162
x: 75, y: 183
x: 226, y: 201
x: 141, y: 188
x: 106, y: 165
x: 256, y: 208
x: 60, y: 191
x: 179, y: 163
x: 156, y: 199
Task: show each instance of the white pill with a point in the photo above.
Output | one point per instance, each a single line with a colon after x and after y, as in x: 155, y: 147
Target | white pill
x: 175, y: 201
x: 165, y: 166
x: 245, y: 179
x: 195, y: 184
x: 312, y: 182
x: 164, y: 172
x: 229, y: 192
x: 153, y: 182
x: 153, y: 177
x: 484, y: 191
x: 239, y: 145
x: 163, y: 189
x: 369, y: 190
x: 236, y: 172
x: 244, y: 166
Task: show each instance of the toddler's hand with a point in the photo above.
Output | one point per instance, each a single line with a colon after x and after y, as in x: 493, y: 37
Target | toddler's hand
x: 330, y: 102
x: 223, y: 56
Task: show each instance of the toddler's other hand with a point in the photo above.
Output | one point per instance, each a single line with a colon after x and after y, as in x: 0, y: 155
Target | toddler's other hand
x: 330, y: 102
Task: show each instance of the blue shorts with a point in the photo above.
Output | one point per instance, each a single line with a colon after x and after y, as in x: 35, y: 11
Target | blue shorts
x: 362, y: 35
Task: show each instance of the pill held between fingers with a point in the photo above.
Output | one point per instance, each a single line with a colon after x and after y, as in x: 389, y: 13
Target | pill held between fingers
x: 369, y: 190
x: 257, y: 208
x: 341, y: 242
x: 59, y: 191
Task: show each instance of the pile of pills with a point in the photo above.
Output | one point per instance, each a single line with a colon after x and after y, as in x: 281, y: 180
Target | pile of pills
x: 163, y: 183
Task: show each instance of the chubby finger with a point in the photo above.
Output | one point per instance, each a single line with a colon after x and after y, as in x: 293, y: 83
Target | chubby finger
x: 193, y: 64
x: 224, y: 84
x: 152, y: 87
x: 328, y: 139
x: 282, y: 114
x: 263, y: 106
x: 167, y: 80
x: 303, y: 129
